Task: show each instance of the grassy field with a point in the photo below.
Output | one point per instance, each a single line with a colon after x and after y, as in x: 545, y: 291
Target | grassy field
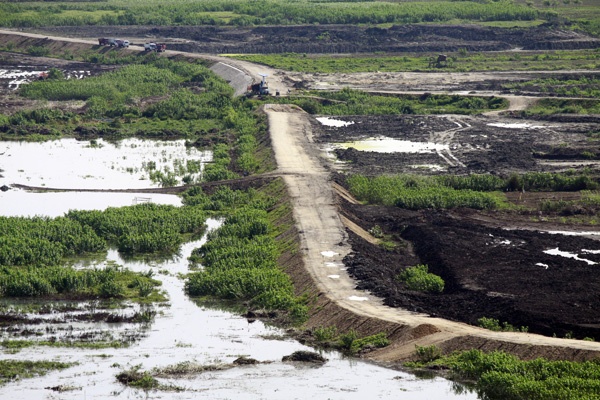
x: 462, y: 61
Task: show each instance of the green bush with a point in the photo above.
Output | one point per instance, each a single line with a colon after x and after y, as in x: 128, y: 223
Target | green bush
x: 418, y: 278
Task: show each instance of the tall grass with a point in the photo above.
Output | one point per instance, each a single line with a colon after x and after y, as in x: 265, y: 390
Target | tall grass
x: 240, y: 263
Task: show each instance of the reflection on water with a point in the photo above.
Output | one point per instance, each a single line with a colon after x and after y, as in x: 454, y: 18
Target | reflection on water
x: 187, y: 331
x: 69, y: 163
x: 388, y: 145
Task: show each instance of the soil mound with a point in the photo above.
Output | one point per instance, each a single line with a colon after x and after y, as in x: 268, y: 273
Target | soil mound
x: 340, y: 38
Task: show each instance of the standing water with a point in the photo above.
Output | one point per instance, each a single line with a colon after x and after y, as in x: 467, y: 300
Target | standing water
x: 184, y: 331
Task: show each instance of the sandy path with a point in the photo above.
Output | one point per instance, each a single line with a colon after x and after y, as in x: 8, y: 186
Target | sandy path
x: 324, y: 241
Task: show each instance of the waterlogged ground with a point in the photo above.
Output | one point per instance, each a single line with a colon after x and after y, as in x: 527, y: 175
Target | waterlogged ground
x: 99, y: 164
x: 165, y: 334
x: 457, y: 143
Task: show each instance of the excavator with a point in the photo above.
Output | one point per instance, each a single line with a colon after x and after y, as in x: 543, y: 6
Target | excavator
x: 259, y: 89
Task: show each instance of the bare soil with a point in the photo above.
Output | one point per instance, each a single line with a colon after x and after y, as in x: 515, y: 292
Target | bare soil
x: 493, y: 263
x: 476, y: 144
x: 339, y: 38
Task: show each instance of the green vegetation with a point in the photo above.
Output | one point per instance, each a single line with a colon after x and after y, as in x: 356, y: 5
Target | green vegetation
x: 460, y: 62
x: 245, y: 12
x: 11, y: 370
x: 584, y: 86
x: 240, y: 262
x: 494, y: 325
x: 32, y: 249
x: 354, y: 102
x: 426, y: 354
x: 348, y: 342
x: 136, y: 378
x: 499, y: 375
x: 473, y: 191
x: 66, y: 282
x: 143, y: 228
x: 419, y: 278
x: 240, y: 258
x: 563, y: 106
x: 417, y: 192
x: 14, y: 346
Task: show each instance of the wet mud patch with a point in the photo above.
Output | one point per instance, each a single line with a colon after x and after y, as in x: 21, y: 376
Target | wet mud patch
x: 516, y: 276
x: 459, y: 144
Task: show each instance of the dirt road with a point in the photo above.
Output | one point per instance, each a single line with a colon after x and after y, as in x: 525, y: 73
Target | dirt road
x: 324, y: 244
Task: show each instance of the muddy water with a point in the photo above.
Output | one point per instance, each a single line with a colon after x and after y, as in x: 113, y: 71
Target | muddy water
x: 185, y: 331
x: 182, y: 331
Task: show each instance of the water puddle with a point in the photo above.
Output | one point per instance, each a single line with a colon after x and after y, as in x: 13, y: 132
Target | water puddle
x: 20, y: 203
x: 333, y: 122
x: 573, y: 233
x: 566, y: 254
x: 329, y: 253
x: 388, y: 145
x: 69, y: 163
x: 17, y: 77
x: 516, y: 125
x: 429, y: 167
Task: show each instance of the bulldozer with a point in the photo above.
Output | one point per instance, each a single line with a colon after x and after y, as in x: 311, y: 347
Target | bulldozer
x: 259, y: 89
x: 440, y: 61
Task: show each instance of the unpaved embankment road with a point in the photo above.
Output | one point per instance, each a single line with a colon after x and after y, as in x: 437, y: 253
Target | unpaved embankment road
x: 324, y: 244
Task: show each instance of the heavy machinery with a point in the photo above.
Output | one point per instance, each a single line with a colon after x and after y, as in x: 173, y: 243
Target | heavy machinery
x: 122, y: 43
x: 439, y: 62
x: 158, y: 47
x: 259, y: 89
x: 107, y: 42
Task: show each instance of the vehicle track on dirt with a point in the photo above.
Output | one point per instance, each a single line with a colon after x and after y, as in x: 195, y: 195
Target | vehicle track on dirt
x: 323, y: 236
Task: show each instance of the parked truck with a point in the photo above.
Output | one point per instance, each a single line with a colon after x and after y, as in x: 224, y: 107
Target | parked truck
x: 158, y: 47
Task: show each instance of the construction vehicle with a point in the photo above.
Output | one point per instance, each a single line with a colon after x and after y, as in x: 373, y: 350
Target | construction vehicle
x: 158, y: 47
x: 122, y: 43
x: 107, y: 42
x: 259, y: 89
x: 439, y: 62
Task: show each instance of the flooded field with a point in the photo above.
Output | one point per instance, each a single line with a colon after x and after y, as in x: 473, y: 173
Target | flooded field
x: 174, y: 334
x: 98, y: 164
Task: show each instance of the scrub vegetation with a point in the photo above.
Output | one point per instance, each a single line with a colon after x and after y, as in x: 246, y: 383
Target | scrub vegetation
x: 460, y: 61
x: 239, y: 259
x: 355, y: 102
x: 473, y: 191
x: 32, y: 250
x: 349, y: 342
x: 498, y: 375
x: 245, y: 12
x: 12, y: 370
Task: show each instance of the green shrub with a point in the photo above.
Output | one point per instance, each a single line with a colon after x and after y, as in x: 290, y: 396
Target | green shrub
x: 428, y: 353
x: 418, y: 278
